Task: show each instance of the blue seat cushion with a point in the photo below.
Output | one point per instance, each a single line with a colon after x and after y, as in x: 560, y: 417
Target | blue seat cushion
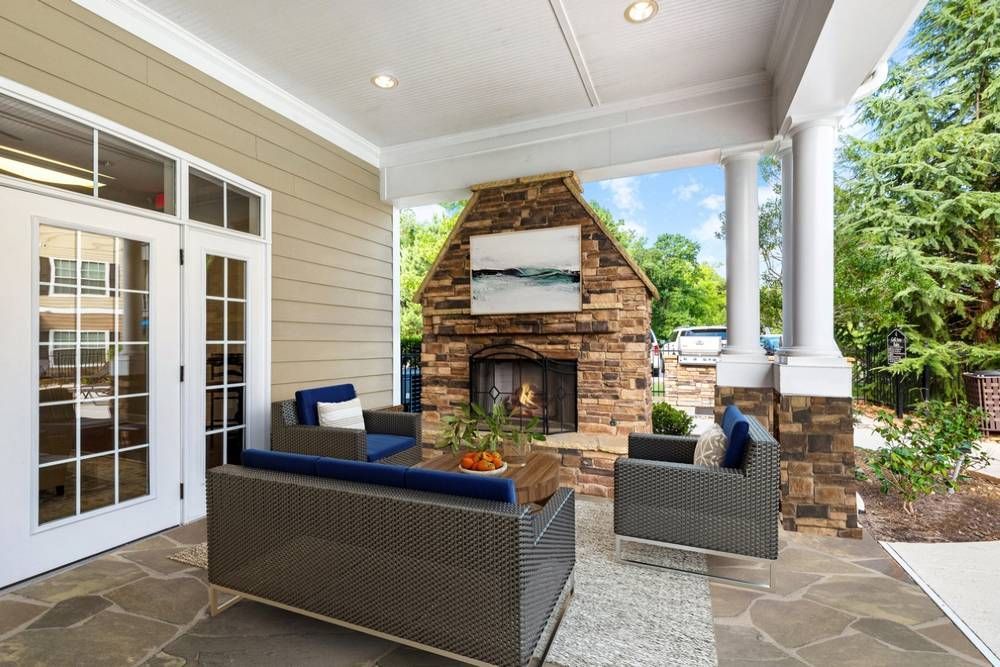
x: 737, y: 430
x: 381, y: 445
x: 306, y: 400
x: 359, y: 471
x: 300, y: 464
x: 461, y: 484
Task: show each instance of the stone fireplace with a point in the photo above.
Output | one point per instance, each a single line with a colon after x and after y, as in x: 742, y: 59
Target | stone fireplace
x: 584, y: 371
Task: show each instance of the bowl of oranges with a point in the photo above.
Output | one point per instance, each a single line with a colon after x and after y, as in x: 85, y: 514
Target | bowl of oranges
x: 482, y: 463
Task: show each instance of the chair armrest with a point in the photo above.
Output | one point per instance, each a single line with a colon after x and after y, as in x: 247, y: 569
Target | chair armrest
x: 652, y: 447
x: 393, y: 423
x: 679, y: 485
x: 338, y: 443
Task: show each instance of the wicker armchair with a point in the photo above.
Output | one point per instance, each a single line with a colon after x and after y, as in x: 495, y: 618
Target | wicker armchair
x: 287, y: 435
x: 662, y: 497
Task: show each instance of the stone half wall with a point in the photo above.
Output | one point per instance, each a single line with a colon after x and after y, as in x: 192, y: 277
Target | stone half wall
x: 688, y: 386
x: 607, y: 337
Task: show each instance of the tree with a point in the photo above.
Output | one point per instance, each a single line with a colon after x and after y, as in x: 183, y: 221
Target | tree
x: 419, y: 245
x: 918, y: 205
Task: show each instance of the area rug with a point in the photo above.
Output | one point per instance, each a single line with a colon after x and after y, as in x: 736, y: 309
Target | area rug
x: 621, y: 614
x: 624, y: 614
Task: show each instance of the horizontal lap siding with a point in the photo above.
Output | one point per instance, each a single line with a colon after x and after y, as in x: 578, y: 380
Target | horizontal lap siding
x: 331, y: 235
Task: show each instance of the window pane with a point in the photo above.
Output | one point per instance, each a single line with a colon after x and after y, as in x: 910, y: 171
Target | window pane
x: 133, y: 421
x: 97, y: 482
x: 234, y: 365
x: 237, y: 278
x: 97, y: 427
x: 214, y: 409
x: 205, y: 198
x: 133, y: 265
x: 214, y: 275
x: 234, y: 407
x: 133, y: 369
x: 213, y: 320
x: 56, y: 432
x: 133, y: 474
x: 96, y: 372
x: 213, y: 450
x: 234, y: 446
x: 56, y: 373
x: 56, y: 492
x: 39, y: 146
x: 214, y: 361
x: 97, y: 254
x: 133, y: 318
x: 236, y: 310
x: 242, y: 210
x: 134, y: 175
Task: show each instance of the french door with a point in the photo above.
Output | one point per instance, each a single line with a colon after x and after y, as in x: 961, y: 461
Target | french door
x: 226, y: 339
x: 90, y: 401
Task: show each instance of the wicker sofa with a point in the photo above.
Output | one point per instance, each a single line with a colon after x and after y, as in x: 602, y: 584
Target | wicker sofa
x: 662, y: 497
x: 473, y: 579
x: 388, y: 436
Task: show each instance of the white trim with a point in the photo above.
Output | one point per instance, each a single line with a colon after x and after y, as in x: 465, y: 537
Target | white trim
x: 164, y: 34
x: 828, y: 377
x: 397, y: 361
x: 569, y: 35
x: 948, y: 611
x: 739, y: 370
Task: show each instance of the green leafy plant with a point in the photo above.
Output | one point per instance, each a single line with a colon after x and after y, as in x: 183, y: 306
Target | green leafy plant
x: 928, y: 452
x: 475, y: 429
x: 459, y: 430
x: 668, y: 420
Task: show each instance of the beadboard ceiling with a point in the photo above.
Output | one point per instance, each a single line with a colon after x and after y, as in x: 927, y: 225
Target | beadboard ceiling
x: 468, y: 66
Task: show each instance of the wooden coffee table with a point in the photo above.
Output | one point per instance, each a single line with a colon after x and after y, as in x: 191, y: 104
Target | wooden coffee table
x: 535, y: 481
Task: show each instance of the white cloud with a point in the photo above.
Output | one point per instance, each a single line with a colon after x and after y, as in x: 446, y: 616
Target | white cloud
x: 714, y: 202
x: 426, y: 213
x: 708, y: 228
x: 636, y: 226
x: 688, y: 190
x: 765, y: 193
x: 625, y: 194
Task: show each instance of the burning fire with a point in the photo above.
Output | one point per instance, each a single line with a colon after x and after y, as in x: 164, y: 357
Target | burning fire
x: 526, y: 396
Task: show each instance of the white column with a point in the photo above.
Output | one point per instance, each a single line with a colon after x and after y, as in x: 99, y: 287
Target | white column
x: 812, y: 241
x: 742, y: 256
x: 787, y: 252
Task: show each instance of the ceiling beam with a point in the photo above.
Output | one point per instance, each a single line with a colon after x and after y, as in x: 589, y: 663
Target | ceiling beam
x: 559, y: 9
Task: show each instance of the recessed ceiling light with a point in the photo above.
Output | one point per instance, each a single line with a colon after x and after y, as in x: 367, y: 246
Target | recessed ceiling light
x: 641, y: 10
x: 385, y: 81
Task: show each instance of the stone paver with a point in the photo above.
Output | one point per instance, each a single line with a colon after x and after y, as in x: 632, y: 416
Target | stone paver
x: 879, y: 597
x: 192, y: 533
x: 861, y: 650
x: 948, y: 635
x: 157, y: 559
x: 794, y: 623
x: 92, y: 577
x: 14, y: 613
x: 70, y: 612
x: 896, y: 634
x: 177, y: 600
x: 731, y: 601
x: 742, y: 645
x: 405, y: 656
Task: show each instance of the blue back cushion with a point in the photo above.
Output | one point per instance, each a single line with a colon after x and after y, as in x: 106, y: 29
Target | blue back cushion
x: 300, y: 464
x: 358, y: 471
x: 306, y: 400
x: 737, y: 430
x: 462, y: 484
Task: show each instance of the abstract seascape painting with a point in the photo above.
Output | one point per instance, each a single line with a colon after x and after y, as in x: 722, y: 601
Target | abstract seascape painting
x: 535, y: 271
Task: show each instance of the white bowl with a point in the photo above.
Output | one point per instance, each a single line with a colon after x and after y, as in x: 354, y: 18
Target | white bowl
x: 489, y: 473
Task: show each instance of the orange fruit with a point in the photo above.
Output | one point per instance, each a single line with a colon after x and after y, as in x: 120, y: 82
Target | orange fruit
x: 483, y: 466
x: 468, y: 462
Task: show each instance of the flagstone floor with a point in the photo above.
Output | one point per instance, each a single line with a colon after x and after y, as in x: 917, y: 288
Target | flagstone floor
x: 836, y: 602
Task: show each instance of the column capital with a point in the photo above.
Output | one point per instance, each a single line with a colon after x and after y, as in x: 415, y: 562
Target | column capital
x: 784, y: 148
x: 740, y: 156
x: 823, y: 121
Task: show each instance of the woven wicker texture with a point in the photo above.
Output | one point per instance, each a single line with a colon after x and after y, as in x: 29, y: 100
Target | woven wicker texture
x: 287, y: 435
x: 661, y: 495
x: 474, y: 577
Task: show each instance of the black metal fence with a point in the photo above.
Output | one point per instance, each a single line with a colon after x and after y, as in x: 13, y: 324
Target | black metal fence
x: 874, y: 383
x: 410, y: 375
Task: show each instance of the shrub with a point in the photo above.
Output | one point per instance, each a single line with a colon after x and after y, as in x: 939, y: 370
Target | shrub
x: 927, y: 453
x: 668, y: 420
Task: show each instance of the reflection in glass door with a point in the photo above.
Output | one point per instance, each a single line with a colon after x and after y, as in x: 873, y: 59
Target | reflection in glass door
x: 225, y: 348
x: 93, y: 361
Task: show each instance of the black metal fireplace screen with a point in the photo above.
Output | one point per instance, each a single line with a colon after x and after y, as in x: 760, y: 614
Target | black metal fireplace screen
x: 527, y: 383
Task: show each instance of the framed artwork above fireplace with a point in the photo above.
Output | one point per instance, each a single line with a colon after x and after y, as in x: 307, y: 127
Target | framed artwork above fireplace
x: 532, y: 271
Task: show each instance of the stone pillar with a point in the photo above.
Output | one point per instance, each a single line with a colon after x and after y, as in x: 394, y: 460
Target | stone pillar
x: 743, y: 371
x: 813, y: 382
x: 787, y: 254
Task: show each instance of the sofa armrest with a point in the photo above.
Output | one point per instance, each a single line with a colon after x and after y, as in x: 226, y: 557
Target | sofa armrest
x: 652, y: 447
x: 338, y: 443
x: 680, y: 485
x: 393, y: 423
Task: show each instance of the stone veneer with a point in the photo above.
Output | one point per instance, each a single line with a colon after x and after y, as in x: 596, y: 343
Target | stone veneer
x: 756, y: 401
x: 817, y: 465
x: 688, y: 386
x: 607, y: 337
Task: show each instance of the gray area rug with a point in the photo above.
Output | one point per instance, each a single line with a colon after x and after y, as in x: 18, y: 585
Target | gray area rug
x: 625, y: 614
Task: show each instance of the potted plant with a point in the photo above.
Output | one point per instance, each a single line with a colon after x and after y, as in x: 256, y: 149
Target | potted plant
x: 483, y: 436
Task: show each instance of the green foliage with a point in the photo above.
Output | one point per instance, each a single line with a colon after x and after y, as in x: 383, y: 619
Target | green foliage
x: 929, y: 452
x: 475, y: 429
x: 458, y: 430
x: 668, y: 420
x: 918, y: 206
x: 419, y: 245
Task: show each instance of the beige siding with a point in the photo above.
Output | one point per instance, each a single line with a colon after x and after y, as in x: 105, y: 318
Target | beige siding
x: 331, y: 235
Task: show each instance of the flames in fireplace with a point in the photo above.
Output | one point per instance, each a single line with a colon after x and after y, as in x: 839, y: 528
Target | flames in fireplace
x: 526, y: 396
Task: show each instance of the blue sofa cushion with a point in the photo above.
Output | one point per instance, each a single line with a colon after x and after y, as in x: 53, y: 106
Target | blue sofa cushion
x: 306, y: 400
x: 381, y: 445
x: 359, y: 471
x: 737, y: 430
x: 300, y: 464
x: 461, y: 484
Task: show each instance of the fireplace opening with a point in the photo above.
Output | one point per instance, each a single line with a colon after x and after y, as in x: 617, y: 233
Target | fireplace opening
x: 528, y: 384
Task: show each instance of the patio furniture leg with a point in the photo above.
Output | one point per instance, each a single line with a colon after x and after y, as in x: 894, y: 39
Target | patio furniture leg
x: 555, y: 622
x: 214, y: 608
x: 620, y: 539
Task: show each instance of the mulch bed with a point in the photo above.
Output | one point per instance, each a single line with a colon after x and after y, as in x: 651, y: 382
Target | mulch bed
x: 972, y: 514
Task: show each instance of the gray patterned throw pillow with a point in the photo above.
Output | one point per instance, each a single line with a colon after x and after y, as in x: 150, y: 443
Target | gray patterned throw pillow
x: 711, y: 447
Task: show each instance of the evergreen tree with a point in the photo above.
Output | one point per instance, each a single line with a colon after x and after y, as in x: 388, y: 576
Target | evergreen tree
x: 918, y: 206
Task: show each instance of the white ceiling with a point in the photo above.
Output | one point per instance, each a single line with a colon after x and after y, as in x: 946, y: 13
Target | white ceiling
x: 468, y: 65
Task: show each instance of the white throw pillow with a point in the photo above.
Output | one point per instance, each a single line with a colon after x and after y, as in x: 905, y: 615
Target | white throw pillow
x: 711, y: 447
x: 345, y: 414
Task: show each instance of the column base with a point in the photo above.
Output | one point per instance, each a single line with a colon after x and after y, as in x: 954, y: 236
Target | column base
x: 744, y: 370
x: 812, y: 376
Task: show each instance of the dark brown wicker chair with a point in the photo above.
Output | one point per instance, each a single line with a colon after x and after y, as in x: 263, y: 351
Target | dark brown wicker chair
x: 663, y: 498
x: 475, y: 580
